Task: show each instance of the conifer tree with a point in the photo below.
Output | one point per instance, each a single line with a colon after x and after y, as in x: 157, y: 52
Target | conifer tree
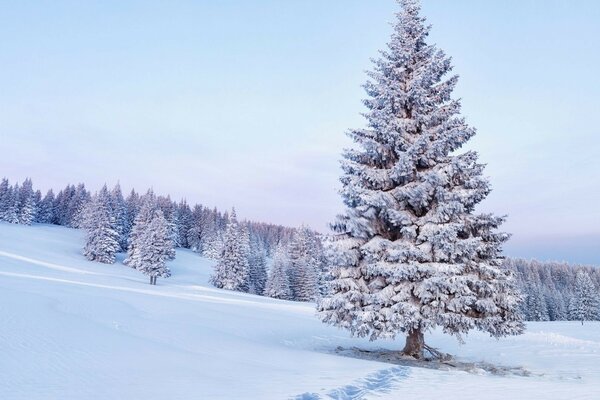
x: 46, y: 211
x: 140, y: 225
x: 26, y: 203
x: 257, y: 272
x: 304, y: 266
x: 6, y: 200
x: 410, y: 253
x: 231, y: 271
x: 584, y: 305
x: 102, y: 240
x: 13, y: 205
x: 119, y: 214
x: 278, y: 284
x: 156, y: 248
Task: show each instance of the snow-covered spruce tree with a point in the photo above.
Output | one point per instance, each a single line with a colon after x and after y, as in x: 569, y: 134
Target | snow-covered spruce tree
x: 119, y: 213
x: 140, y: 225
x: 584, y: 304
x: 231, y: 271
x: 304, y: 266
x: 102, y: 240
x: 6, y: 200
x: 410, y: 252
x: 12, y: 213
x: 156, y: 248
x: 257, y: 268
x: 278, y: 284
x: 27, y: 207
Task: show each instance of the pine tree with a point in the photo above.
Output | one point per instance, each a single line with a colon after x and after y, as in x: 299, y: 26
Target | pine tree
x: 410, y: 253
x: 26, y: 204
x: 102, y: 240
x: 278, y: 284
x: 156, y: 248
x: 118, y: 211
x: 37, y: 202
x: 140, y: 225
x: 46, y: 211
x: 13, y: 205
x: 304, y: 266
x: 536, y: 306
x: 584, y: 305
x: 132, y: 207
x: 231, y: 271
x: 6, y: 200
x: 257, y: 272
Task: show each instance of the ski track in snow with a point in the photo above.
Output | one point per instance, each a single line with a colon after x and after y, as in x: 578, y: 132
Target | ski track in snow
x: 149, y: 292
x: 380, y: 382
x: 45, y: 264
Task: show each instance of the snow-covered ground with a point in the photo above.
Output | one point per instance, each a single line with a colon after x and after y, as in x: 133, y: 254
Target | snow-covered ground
x: 72, y: 329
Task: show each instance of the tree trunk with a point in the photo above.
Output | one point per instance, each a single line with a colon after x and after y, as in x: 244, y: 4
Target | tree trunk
x: 415, y: 342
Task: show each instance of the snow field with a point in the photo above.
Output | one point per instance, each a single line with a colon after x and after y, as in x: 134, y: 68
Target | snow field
x: 73, y: 329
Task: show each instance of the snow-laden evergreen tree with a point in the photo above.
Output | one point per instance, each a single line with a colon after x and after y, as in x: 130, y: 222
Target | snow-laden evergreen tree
x: 584, y: 305
x: 213, y: 245
x: 183, y: 216
x: 411, y: 253
x: 11, y: 214
x: 557, y: 310
x: 6, y: 200
x: 119, y: 213
x: 132, y: 207
x: 536, y: 308
x: 37, y: 201
x: 46, y: 209
x: 304, y: 265
x: 244, y: 238
x: 278, y: 284
x: 140, y: 225
x: 102, y: 240
x: 27, y: 207
x: 156, y: 248
x: 231, y: 271
x: 257, y: 268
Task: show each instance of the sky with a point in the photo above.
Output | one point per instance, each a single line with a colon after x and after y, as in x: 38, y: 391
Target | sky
x: 246, y: 103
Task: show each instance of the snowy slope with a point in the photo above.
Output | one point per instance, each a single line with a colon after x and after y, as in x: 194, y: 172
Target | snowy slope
x: 72, y: 329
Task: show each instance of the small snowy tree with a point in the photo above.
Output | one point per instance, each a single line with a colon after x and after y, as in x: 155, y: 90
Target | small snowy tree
x: 118, y: 211
x: 102, y: 240
x: 156, y: 248
x: 6, y: 199
x: 12, y: 205
x: 278, y: 284
x: 410, y: 253
x: 257, y: 272
x: 584, y: 305
x: 27, y: 207
x: 140, y: 226
x: 304, y: 265
x: 231, y: 271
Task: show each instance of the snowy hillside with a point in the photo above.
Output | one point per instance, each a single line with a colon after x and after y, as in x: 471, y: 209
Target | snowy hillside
x: 73, y: 329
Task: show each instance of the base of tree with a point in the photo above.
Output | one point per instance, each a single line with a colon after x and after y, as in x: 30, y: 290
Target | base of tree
x: 415, y: 343
x: 153, y: 280
x: 445, y: 362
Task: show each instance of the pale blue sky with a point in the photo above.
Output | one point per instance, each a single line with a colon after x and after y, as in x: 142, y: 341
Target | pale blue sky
x: 246, y: 103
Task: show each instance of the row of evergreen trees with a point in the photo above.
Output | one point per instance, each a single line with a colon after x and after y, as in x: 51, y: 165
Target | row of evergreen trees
x: 194, y: 227
x: 150, y: 242
x: 296, y: 272
x: 555, y: 291
x: 149, y: 227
